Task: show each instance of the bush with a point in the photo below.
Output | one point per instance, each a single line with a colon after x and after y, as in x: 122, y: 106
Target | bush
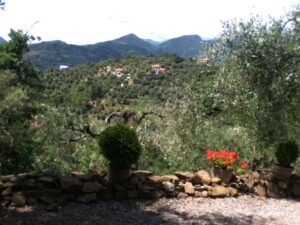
x: 120, y: 146
x: 287, y: 153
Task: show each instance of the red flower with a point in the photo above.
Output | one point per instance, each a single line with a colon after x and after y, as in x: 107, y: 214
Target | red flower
x: 225, y: 159
x: 244, y: 165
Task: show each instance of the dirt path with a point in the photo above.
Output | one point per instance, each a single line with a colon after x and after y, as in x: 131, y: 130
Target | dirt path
x: 244, y: 210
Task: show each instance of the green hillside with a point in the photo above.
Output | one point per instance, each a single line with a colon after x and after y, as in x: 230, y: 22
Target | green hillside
x: 56, y: 53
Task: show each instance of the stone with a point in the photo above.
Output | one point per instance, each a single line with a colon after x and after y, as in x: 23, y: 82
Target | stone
x: 168, y: 186
x: 18, y: 200
x: 6, y: 178
x: 274, y: 191
x: 186, y: 176
x: 47, y: 181
x: 283, y: 184
x: 295, y: 189
x: 7, y: 191
x: 1, y: 184
x: 219, y: 191
x: 87, y: 198
x: 171, y: 178
x: 189, y: 188
x: 40, y: 193
x: 232, y: 191
x: 31, y: 201
x: 215, y: 180
x: 155, y: 180
x: 8, y: 184
x: 120, y: 195
x: 260, y: 190
x: 182, y: 195
x: 31, y: 183
x: 142, y: 173
x: 132, y: 194
x: 134, y: 180
x: 107, y: 195
x: 201, y: 194
x: 46, y: 200
x: 203, y: 176
x: 70, y: 184
x: 89, y: 187
x: 52, y: 207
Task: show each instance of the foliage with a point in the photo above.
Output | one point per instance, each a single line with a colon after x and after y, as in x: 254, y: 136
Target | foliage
x: 120, y: 145
x: 258, y: 84
x: 17, y: 107
x: 287, y: 153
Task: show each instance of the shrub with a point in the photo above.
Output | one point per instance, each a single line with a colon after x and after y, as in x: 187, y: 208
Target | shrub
x: 287, y: 153
x: 120, y: 146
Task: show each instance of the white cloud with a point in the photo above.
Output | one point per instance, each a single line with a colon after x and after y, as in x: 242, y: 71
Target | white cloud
x: 90, y: 21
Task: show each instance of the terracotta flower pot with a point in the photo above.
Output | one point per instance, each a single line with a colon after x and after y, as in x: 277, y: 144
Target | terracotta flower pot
x: 117, y: 175
x: 225, y: 175
x: 283, y: 173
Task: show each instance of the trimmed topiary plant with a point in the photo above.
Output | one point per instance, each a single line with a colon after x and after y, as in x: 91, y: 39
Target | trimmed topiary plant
x: 120, y: 146
x: 287, y: 153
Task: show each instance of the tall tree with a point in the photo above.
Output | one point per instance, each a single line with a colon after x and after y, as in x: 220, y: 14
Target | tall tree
x: 259, y: 78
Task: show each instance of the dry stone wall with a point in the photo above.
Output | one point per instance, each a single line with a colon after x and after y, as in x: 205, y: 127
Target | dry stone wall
x: 55, y: 190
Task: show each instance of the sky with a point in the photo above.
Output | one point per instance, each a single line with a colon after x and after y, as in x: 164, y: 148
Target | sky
x: 91, y: 21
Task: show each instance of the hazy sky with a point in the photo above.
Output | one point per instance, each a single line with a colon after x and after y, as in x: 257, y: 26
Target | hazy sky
x: 91, y: 21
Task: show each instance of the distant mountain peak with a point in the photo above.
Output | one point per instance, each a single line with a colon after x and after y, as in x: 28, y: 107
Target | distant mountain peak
x: 127, y: 37
x: 2, y: 40
x: 55, y: 53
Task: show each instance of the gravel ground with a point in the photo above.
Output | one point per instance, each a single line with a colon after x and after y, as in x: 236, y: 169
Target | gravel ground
x: 243, y: 210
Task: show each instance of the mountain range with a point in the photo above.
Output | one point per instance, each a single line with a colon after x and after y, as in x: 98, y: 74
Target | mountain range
x: 2, y: 40
x: 55, y: 53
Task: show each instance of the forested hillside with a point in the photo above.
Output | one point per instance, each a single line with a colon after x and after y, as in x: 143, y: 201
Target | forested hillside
x: 56, y: 53
x: 244, y: 97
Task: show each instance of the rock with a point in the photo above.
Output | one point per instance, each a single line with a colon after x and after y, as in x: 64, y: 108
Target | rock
x: 203, y: 194
x: 18, y: 200
x: 203, y: 176
x: 283, y: 184
x: 219, y: 191
x: 132, y: 194
x: 274, y: 191
x: 295, y: 189
x: 89, y: 187
x: 7, y: 191
x: 70, y: 184
x: 87, y: 198
x: 189, y: 188
x: 215, y: 180
x: 186, y: 176
x: 46, y: 200
x: 168, y: 186
x: 142, y: 173
x: 155, y: 180
x: 120, y: 195
x: 134, y: 180
x: 1, y: 184
x: 171, y: 178
x: 30, y: 183
x: 182, y: 195
x: 6, y: 178
x: 48, y: 180
x: 92, y: 175
x: 107, y: 195
x: 40, y: 193
x: 260, y: 190
x: 8, y: 184
x: 52, y: 207
x: 232, y: 191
